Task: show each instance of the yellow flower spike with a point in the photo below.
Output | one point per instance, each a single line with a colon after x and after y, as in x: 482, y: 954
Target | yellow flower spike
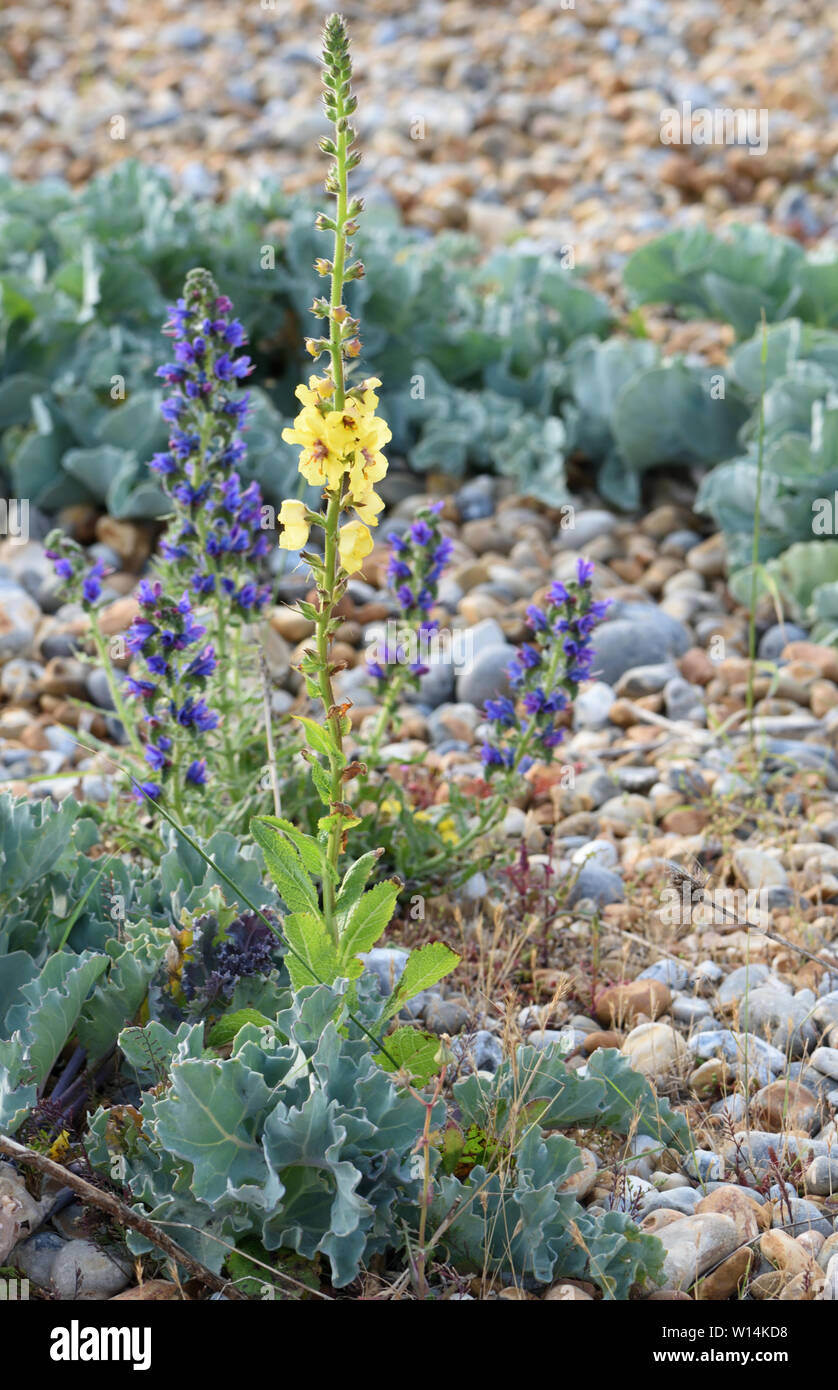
x: 354, y: 545
x: 292, y: 518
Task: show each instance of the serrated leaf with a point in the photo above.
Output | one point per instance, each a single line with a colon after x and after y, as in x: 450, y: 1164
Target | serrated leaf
x: 318, y: 735
x: 424, y: 968
x: 286, y: 869
x: 413, y: 1051
x: 309, y: 936
x: 352, y: 886
x: 368, y: 919
x: 321, y: 781
x: 311, y: 853
x: 229, y: 1024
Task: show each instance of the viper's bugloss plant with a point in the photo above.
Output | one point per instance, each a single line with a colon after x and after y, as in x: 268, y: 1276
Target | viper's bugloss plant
x: 417, y: 561
x: 215, y: 540
x: 526, y: 726
x: 544, y: 676
x: 333, y: 916
x: 177, y: 666
x: 83, y: 584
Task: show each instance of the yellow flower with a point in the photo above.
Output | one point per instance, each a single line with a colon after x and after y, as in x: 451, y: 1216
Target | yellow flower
x: 369, y: 508
x: 292, y: 517
x: 318, y: 463
x: 60, y: 1147
x: 369, y: 399
x: 446, y: 829
x: 319, y: 388
x: 354, y: 544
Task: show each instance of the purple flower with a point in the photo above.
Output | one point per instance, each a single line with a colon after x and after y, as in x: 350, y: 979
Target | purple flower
x: 502, y: 710
x: 143, y: 790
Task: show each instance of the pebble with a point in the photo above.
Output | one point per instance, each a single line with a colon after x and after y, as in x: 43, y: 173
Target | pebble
x: 821, y: 1177
x: 387, y: 963
x: 781, y: 1018
x: 623, y: 1003
x: 593, y: 706
x: 596, y: 884
x: 36, y: 1256
x: 670, y: 972
x: 654, y: 1049
x: 693, y: 1245
x: 825, y: 1060
x: 83, y: 1272
x: 482, y: 1048
x: 447, y: 1015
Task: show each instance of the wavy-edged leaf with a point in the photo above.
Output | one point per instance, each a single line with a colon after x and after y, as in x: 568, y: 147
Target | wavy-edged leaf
x: 50, y: 1005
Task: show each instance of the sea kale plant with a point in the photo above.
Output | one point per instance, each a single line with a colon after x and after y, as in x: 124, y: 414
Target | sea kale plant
x: 333, y: 916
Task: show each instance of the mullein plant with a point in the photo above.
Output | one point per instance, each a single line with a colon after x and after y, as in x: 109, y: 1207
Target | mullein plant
x: 333, y: 914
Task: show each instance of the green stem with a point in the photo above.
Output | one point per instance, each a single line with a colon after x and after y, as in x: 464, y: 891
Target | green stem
x: 337, y: 760
x: 385, y: 714
x: 128, y: 724
x: 499, y: 801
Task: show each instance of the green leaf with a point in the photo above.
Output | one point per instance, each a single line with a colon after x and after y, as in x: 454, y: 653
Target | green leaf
x: 211, y: 1116
x: 423, y: 969
x: 318, y: 735
x: 308, y: 935
x: 420, y: 1054
x: 353, y: 885
x: 321, y: 781
x: 118, y: 995
x: 230, y: 1024
x: 286, y: 869
x: 310, y: 851
x: 368, y: 920
x: 51, y: 1005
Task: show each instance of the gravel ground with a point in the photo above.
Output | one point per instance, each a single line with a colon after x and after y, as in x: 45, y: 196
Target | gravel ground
x: 504, y: 118
x: 717, y: 1000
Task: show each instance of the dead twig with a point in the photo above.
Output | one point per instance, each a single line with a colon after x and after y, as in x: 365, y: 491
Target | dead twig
x: 122, y: 1214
